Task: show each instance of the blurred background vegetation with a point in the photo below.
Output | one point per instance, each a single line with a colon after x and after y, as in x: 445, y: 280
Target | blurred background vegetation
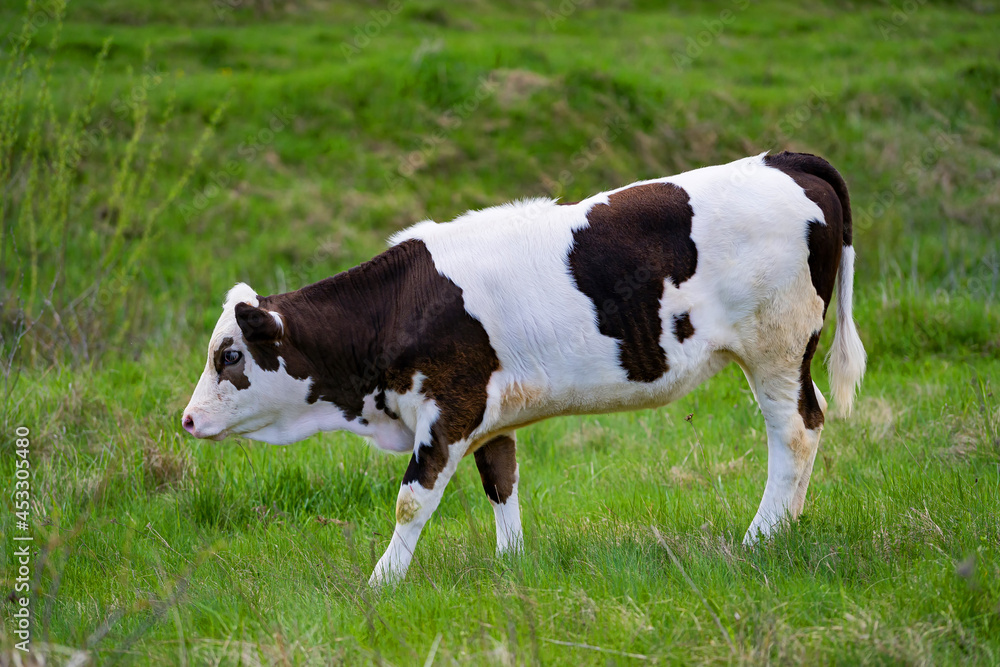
x: 152, y: 154
x: 336, y: 124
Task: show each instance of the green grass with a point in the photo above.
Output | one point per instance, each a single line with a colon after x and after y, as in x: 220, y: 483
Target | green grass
x: 152, y: 548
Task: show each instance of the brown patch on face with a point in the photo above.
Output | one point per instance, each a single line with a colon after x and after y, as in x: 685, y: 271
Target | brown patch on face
x: 236, y: 373
x: 373, y: 327
x: 683, y: 329
x: 809, y: 407
x: 264, y: 353
x: 256, y: 324
x: 826, y: 188
x: 497, y: 463
x: 641, y: 237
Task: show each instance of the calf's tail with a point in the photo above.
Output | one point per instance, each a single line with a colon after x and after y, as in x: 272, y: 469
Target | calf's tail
x: 847, y: 357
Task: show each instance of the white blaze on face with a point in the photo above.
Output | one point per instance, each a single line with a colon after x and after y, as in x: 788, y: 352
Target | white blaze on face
x: 244, y: 399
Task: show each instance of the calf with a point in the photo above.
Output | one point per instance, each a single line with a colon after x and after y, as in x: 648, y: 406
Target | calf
x: 461, y: 333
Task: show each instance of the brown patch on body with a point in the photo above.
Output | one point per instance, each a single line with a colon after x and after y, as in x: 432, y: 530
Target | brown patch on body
x: 683, y: 329
x: 824, y: 259
x: 457, y: 361
x: 823, y: 185
x: 641, y: 237
x: 809, y: 407
x: 427, y: 463
x: 497, y: 463
x: 799, y: 165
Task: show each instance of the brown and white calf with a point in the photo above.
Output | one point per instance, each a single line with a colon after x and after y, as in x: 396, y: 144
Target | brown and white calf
x: 461, y: 333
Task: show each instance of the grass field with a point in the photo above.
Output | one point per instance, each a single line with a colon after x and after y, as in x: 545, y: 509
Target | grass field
x: 281, y: 141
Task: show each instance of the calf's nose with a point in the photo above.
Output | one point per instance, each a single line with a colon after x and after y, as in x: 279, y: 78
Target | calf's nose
x: 188, y: 424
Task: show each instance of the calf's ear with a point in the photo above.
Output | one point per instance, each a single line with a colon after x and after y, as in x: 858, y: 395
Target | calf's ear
x: 257, y: 324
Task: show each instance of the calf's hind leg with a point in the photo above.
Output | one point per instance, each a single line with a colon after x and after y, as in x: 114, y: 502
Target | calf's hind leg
x: 497, y: 465
x: 800, y: 493
x: 794, y: 411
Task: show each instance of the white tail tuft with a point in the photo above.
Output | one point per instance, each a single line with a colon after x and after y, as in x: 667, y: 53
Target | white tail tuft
x: 847, y: 357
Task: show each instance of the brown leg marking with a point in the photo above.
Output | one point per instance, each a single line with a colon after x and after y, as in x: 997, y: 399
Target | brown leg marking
x: 811, y: 410
x: 426, y: 464
x: 497, y: 465
x: 809, y: 407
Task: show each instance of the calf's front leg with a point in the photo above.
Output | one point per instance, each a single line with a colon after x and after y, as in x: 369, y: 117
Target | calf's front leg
x: 431, y: 468
x: 497, y: 465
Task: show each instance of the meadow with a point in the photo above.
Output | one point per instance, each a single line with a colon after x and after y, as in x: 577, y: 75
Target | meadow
x: 153, y: 154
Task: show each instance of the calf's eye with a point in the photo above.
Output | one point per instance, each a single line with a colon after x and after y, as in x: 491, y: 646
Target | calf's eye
x: 230, y: 357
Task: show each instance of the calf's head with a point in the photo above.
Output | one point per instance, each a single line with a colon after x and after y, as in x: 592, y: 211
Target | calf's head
x: 245, y: 388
